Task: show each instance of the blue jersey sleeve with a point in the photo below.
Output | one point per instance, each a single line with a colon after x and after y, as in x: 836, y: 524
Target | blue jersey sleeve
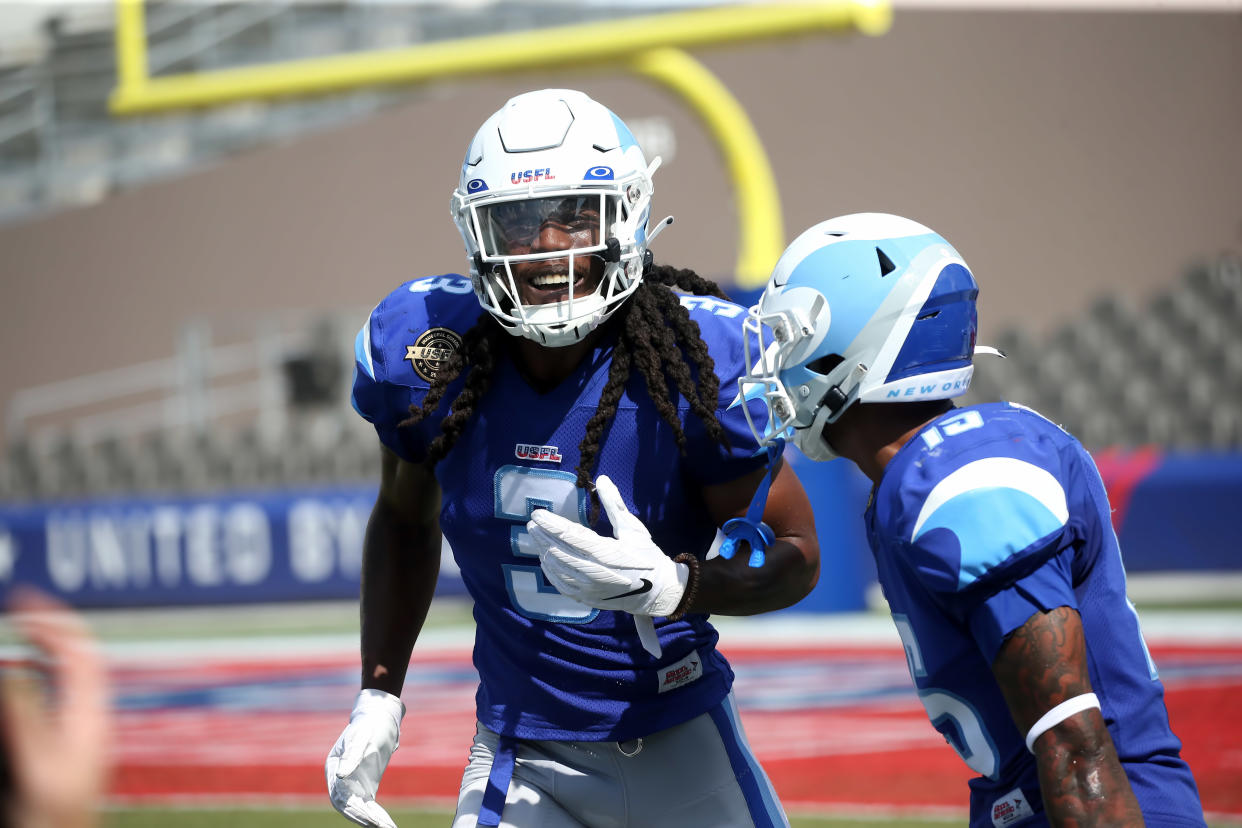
x: 1045, y: 588
x: 720, y: 326
x: 373, y: 397
x: 398, y: 351
x: 992, y: 536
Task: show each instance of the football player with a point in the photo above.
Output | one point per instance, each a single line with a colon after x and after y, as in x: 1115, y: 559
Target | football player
x: 990, y: 526
x: 566, y: 375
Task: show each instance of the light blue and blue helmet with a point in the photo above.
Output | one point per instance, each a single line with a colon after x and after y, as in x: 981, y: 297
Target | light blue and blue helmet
x: 868, y: 307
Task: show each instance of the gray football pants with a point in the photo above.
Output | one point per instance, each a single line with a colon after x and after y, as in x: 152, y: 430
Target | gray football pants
x: 701, y: 773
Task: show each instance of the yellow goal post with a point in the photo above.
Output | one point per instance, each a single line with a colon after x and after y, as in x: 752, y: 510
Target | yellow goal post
x: 650, y: 45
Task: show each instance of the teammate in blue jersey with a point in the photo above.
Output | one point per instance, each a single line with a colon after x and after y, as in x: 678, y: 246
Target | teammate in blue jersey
x: 582, y: 371
x: 990, y: 526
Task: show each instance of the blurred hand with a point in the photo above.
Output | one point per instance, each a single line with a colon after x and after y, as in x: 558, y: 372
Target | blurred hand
x: 360, y: 756
x: 56, y: 737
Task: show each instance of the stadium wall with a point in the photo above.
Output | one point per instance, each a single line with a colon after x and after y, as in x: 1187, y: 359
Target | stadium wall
x: 1067, y: 155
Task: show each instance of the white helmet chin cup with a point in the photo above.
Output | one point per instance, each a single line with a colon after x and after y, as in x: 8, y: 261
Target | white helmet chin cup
x: 541, y: 148
x: 811, y: 441
x: 546, y: 324
x: 868, y: 308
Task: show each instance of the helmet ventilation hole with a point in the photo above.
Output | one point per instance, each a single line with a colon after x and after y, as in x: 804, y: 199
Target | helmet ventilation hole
x: 886, y: 264
x: 825, y: 364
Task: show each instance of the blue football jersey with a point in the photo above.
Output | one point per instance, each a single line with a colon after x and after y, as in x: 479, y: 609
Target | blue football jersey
x: 550, y: 667
x: 990, y: 514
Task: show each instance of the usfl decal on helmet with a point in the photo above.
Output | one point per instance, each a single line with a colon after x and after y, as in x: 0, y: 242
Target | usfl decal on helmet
x: 868, y: 307
x: 541, y: 151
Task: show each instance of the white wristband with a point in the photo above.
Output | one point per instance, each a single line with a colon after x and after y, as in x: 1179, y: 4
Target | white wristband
x: 1059, y: 714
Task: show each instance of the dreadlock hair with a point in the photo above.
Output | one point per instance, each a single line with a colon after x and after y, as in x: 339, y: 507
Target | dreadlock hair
x: 656, y: 336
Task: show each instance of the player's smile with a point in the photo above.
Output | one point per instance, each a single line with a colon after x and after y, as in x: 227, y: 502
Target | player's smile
x: 543, y: 282
x: 543, y: 226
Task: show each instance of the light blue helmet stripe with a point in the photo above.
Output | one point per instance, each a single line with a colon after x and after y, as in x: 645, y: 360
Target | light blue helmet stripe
x: 854, y: 262
x: 851, y: 309
x: 640, y: 226
x: 623, y: 133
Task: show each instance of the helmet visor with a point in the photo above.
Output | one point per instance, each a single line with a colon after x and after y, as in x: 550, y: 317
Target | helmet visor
x: 551, y: 224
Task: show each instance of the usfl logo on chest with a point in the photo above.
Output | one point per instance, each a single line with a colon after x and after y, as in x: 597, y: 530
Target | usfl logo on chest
x: 528, y: 451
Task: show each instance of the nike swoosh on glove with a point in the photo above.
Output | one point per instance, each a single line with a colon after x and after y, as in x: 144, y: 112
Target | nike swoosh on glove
x: 360, y: 756
x: 627, y: 572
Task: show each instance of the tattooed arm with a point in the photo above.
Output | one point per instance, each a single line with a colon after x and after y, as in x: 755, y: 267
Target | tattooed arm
x: 1043, y: 663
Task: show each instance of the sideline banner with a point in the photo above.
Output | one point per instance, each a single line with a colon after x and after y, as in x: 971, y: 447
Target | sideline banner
x: 1172, y: 512
x: 230, y: 548
x: 1175, y: 512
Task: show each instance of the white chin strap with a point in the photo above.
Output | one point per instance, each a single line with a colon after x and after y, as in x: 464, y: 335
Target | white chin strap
x: 540, y: 321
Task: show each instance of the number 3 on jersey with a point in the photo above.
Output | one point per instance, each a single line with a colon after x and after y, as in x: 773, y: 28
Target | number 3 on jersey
x: 519, y: 491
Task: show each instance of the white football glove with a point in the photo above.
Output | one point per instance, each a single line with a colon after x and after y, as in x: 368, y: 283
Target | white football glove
x: 359, y: 757
x: 627, y: 572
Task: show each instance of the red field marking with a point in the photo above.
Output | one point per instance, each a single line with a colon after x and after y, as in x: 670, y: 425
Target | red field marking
x: 227, y: 729
x: 1209, y: 722
x: 156, y: 783
x: 910, y: 778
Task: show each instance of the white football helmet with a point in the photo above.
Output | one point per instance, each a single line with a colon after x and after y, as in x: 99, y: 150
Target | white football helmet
x: 867, y: 307
x: 554, y: 155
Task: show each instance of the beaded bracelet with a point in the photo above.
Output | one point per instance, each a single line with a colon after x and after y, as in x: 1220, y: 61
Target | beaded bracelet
x: 692, y: 585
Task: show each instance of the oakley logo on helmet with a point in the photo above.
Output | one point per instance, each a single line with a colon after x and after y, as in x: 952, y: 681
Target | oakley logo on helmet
x: 476, y: 185
x: 598, y: 174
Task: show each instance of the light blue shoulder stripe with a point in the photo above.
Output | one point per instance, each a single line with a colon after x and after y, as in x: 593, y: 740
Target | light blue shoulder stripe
x: 362, y: 348
x: 996, y: 508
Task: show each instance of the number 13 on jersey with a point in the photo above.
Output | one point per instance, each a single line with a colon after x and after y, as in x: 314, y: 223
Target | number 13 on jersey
x: 519, y: 491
